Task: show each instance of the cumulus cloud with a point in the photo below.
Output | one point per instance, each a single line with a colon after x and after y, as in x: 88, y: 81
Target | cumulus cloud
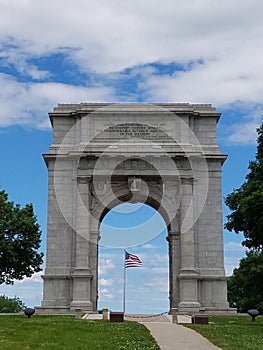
x: 105, y: 282
x: 153, y: 259
x: 246, y: 132
x: 210, y: 51
x: 235, y: 247
x: 112, y: 35
x: 105, y: 265
x: 148, y: 246
x: 29, y: 290
x: 234, y: 251
x: 158, y: 283
x: 104, y: 294
x: 214, y: 81
x: 36, y: 278
x: 28, y: 103
x: 230, y: 264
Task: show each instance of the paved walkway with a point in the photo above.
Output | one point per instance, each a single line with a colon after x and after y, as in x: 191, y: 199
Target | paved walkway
x: 170, y: 336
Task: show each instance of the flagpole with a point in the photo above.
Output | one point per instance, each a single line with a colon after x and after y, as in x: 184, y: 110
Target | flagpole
x: 124, y: 284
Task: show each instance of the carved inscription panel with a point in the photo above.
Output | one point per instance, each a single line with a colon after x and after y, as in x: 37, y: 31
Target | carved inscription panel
x: 134, y: 130
x: 150, y: 131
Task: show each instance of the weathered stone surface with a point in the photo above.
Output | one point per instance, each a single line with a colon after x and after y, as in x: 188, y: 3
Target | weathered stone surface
x: 162, y: 154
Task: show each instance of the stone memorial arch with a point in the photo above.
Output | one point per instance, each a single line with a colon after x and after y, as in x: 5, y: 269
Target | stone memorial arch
x: 164, y: 155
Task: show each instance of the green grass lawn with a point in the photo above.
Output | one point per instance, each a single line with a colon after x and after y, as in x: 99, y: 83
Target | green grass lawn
x: 67, y: 332
x: 233, y: 333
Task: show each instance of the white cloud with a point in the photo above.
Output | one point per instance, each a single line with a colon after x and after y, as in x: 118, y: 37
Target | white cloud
x: 230, y: 264
x: 245, y: 132
x: 11, y: 55
x: 235, y: 247
x: 155, y: 260
x: 213, y: 80
x: 158, y: 283
x: 148, y: 246
x: 28, y: 103
x: 104, y: 294
x: 111, y: 35
x: 105, y: 282
x: 234, y: 251
x: 105, y: 266
x: 36, y: 278
x: 217, y: 44
x: 29, y: 290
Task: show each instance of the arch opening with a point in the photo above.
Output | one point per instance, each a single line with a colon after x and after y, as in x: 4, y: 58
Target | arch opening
x: 127, y: 226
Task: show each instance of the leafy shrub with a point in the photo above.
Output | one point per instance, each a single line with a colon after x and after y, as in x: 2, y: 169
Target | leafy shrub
x: 11, y: 305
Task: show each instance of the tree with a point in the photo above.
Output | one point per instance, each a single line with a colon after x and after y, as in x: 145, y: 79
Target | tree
x: 245, y: 287
x: 246, y: 202
x: 10, y: 305
x: 19, y: 241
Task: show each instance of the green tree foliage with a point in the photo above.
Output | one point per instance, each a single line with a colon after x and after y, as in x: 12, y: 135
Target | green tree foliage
x: 11, y: 305
x: 20, y: 238
x: 245, y: 287
x: 246, y: 203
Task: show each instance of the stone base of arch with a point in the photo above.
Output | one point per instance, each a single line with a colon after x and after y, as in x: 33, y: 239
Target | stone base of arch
x: 203, y: 294
x: 199, y: 294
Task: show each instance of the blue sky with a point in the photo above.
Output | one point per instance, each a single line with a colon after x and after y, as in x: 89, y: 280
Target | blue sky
x: 198, y: 51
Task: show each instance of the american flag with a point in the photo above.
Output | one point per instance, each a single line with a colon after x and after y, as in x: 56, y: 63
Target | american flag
x: 132, y: 260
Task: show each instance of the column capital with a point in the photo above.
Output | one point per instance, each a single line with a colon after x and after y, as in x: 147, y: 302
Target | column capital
x: 172, y: 236
x: 83, y: 179
x: 187, y: 180
x: 79, y: 272
x: 94, y: 236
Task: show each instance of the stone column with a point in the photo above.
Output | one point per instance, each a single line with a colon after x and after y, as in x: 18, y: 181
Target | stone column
x: 188, y: 274
x: 94, y: 238
x: 174, y: 268
x: 81, y: 273
x: 57, y: 277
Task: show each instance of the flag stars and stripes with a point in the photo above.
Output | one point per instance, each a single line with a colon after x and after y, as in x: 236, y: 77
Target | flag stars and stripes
x: 132, y: 260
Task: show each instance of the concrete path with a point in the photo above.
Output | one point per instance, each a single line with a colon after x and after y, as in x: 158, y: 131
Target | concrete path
x: 170, y: 336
